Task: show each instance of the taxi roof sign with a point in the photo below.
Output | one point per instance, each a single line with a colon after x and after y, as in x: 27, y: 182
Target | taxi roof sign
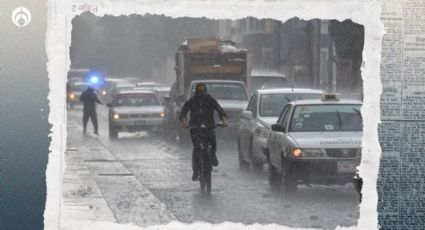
x: 330, y: 97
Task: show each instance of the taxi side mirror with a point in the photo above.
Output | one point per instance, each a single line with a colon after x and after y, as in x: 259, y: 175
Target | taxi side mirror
x: 278, y: 128
x: 247, y: 115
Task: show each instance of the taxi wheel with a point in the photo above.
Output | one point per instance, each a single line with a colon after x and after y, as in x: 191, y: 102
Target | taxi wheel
x: 358, y: 183
x: 256, y: 166
x: 243, y: 165
x: 275, y: 178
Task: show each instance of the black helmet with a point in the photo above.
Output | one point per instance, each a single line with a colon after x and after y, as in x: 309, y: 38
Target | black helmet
x: 201, y: 88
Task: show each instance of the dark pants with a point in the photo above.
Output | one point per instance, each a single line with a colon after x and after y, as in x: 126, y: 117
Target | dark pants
x: 197, y: 135
x: 93, y: 117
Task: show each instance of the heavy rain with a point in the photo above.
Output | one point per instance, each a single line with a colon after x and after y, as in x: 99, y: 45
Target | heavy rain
x: 290, y: 93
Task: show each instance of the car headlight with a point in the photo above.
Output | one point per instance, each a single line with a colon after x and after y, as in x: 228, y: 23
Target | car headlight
x: 116, y: 116
x: 162, y: 114
x: 103, y: 92
x: 72, y: 96
x: 297, y: 152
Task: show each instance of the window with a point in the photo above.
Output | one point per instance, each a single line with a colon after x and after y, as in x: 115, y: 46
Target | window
x: 326, y: 118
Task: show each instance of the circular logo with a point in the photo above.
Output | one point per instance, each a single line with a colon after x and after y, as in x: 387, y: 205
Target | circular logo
x: 21, y: 17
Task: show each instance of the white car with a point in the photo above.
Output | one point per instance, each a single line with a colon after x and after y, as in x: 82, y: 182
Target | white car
x: 262, y: 111
x: 266, y: 80
x: 315, y: 142
x: 135, y: 110
x: 232, y: 97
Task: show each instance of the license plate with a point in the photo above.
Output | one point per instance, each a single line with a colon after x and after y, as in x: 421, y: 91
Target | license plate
x: 139, y: 122
x: 346, y: 166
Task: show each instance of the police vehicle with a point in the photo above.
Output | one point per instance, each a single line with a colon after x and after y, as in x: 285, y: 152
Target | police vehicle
x: 315, y: 142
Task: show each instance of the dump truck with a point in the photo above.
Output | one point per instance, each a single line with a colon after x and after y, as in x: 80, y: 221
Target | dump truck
x: 218, y: 64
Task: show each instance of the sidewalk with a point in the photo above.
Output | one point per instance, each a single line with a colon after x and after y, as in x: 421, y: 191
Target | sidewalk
x: 82, y: 198
x: 98, y: 187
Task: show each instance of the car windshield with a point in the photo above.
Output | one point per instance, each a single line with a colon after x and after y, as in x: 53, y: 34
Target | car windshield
x: 271, y: 105
x: 268, y: 82
x: 326, y: 118
x: 136, y: 99
x: 162, y: 94
x: 225, y: 90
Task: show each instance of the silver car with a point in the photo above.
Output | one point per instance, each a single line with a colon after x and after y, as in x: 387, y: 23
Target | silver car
x: 135, y: 110
x: 315, y: 142
x: 263, y: 110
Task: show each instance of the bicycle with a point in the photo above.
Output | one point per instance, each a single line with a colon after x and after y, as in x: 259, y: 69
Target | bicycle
x: 203, y: 158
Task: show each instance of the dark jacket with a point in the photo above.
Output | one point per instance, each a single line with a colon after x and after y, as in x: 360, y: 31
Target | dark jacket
x: 89, y: 99
x: 201, y: 108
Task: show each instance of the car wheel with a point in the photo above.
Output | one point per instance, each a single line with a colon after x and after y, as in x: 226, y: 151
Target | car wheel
x: 256, y: 166
x: 289, y: 181
x: 243, y: 165
x: 275, y: 178
x: 113, y: 133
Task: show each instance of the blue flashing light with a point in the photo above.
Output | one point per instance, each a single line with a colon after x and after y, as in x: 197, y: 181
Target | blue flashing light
x: 94, y: 79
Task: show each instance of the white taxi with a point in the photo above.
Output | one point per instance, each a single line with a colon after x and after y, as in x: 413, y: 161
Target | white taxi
x: 315, y: 142
x: 263, y: 110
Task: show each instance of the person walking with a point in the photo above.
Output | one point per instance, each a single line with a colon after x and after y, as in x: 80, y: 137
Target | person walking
x: 89, y: 99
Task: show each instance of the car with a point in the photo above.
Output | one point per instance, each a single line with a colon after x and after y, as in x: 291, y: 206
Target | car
x: 162, y: 93
x: 148, y: 85
x: 232, y: 97
x: 261, y: 79
x: 315, y: 142
x: 262, y: 111
x: 135, y: 110
x: 109, y: 86
x: 75, y: 91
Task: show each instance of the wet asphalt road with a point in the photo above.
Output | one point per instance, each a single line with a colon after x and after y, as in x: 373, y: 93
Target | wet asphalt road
x: 164, y: 169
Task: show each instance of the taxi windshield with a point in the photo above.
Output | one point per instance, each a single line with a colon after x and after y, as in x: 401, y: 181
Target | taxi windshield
x: 326, y: 118
x: 136, y: 99
x: 271, y: 105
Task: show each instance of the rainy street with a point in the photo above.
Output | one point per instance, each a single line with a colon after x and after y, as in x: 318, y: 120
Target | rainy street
x: 143, y: 179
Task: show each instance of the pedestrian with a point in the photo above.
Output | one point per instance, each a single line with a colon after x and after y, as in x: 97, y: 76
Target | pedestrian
x: 89, y: 99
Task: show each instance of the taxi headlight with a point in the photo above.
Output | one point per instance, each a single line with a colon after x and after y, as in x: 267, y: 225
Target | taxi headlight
x: 296, y: 152
x: 116, y: 116
x: 311, y: 152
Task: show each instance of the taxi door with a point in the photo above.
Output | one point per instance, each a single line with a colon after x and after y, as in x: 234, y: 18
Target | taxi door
x: 278, y: 139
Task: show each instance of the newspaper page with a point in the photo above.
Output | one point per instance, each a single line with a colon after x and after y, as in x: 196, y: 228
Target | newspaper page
x: 401, y: 178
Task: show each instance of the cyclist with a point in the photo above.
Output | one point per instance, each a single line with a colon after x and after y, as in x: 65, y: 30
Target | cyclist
x: 201, y: 107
